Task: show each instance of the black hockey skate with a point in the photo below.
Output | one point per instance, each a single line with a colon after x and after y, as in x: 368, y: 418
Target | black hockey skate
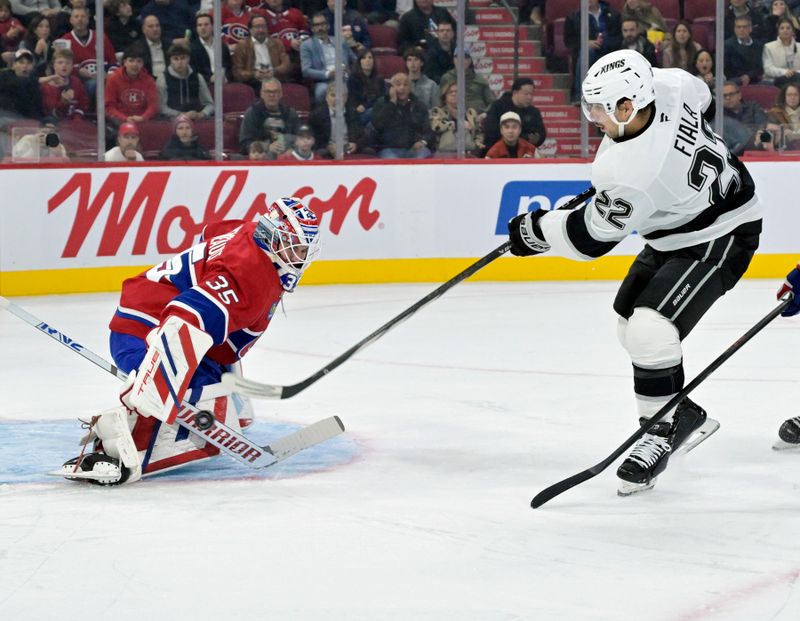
x: 651, y: 454
x: 96, y: 468
x: 789, y: 435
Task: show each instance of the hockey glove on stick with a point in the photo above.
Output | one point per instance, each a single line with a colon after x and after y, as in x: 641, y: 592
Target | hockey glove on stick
x: 158, y: 387
x: 525, y: 235
x: 792, y: 284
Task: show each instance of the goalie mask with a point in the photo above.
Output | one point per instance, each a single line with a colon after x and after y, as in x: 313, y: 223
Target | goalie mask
x: 289, y: 233
x: 624, y: 74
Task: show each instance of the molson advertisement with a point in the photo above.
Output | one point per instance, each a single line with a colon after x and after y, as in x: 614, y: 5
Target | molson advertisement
x: 77, y: 229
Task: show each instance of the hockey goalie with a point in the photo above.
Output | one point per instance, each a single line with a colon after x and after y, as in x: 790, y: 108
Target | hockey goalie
x: 178, y: 327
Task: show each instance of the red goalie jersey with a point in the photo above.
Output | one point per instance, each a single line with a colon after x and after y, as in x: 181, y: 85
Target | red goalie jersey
x: 226, y: 285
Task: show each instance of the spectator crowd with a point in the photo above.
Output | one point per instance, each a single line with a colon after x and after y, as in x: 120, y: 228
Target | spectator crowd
x: 278, y: 64
x: 158, y: 68
x: 761, y: 59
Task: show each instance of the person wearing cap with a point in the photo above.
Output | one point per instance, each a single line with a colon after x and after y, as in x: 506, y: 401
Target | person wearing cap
x: 183, y: 145
x: 63, y: 93
x: 19, y: 89
x: 131, y: 94
x: 478, y: 94
x: 303, y: 148
x: 511, y: 145
x: 519, y: 99
x: 127, y: 149
x: 181, y: 90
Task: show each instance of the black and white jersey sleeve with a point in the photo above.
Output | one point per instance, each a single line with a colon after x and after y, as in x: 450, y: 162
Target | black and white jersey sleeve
x: 674, y: 183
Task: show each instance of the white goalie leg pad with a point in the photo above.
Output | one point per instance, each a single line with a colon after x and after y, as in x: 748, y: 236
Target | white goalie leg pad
x: 113, y: 429
x: 173, y: 447
x: 653, y: 342
x: 160, y: 384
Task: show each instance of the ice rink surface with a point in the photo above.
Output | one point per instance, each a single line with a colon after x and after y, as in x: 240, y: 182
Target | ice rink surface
x: 455, y: 419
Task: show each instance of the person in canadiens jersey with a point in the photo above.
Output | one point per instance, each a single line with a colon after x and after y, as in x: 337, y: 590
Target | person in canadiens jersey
x: 660, y: 171
x: 184, y: 322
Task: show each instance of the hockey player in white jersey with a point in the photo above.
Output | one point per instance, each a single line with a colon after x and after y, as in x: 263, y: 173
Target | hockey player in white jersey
x: 660, y: 171
x: 789, y: 432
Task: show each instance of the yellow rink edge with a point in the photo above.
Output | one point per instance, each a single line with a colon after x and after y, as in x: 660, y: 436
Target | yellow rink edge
x: 96, y: 279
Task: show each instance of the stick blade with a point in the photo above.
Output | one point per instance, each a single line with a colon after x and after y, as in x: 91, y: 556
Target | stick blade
x: 306, y: 437
x: 554, y: 490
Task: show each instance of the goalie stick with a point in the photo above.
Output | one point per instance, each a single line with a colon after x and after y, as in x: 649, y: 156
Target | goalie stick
x: 228, y: 441
x: 258, y: 390
x: 554, y: 490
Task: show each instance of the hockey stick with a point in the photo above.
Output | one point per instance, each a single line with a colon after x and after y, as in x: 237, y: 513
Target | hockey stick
x: 227, y: 440
x: 255, y: 389
x: 551, y: 492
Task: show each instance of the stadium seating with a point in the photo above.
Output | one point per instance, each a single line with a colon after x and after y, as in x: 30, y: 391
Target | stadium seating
x: 153, y: 136
x: 389, y: 65
x: 763, y: 94
x: 384, y: 39
x: 296, y: 96
x: 704, y: 32
x: 236, y: 98
x: 692, y: 9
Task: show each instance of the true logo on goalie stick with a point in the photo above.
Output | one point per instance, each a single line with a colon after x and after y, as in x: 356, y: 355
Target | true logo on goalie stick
x: 61, y: 337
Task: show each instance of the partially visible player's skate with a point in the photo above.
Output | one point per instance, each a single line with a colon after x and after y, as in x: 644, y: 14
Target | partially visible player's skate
x: 649, y: 458
x: 789, y: 435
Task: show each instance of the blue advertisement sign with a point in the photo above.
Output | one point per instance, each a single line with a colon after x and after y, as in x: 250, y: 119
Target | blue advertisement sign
x: 521, y: 196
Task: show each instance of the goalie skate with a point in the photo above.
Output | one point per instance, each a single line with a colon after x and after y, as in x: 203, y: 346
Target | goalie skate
x: 96, y: 468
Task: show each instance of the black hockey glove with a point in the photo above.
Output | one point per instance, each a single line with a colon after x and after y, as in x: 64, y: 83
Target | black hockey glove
x: 525, y: 235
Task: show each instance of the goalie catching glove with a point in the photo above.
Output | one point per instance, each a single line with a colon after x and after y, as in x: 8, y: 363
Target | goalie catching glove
x: 525, y: 235
x: 174, y: 353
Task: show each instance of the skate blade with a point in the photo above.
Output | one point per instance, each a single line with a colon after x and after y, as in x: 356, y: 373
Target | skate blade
x: 85, y: 476
x: 698, y: 436
x: 780, y: 445
x: 626, y: 488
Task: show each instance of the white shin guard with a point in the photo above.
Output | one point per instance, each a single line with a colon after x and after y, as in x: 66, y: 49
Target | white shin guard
x: 113, y: 429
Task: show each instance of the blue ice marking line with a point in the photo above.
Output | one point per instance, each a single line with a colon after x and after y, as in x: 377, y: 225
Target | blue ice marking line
x: 520, y: 196
x: 57, y: 441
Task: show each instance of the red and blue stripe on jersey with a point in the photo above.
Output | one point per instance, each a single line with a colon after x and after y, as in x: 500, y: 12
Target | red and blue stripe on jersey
x: 226, y: 286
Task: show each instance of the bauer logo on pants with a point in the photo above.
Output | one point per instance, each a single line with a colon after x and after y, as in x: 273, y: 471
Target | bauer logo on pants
x: 521, y: 196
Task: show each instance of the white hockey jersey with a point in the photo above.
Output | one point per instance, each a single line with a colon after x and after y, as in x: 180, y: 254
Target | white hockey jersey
x: 674, y: 182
